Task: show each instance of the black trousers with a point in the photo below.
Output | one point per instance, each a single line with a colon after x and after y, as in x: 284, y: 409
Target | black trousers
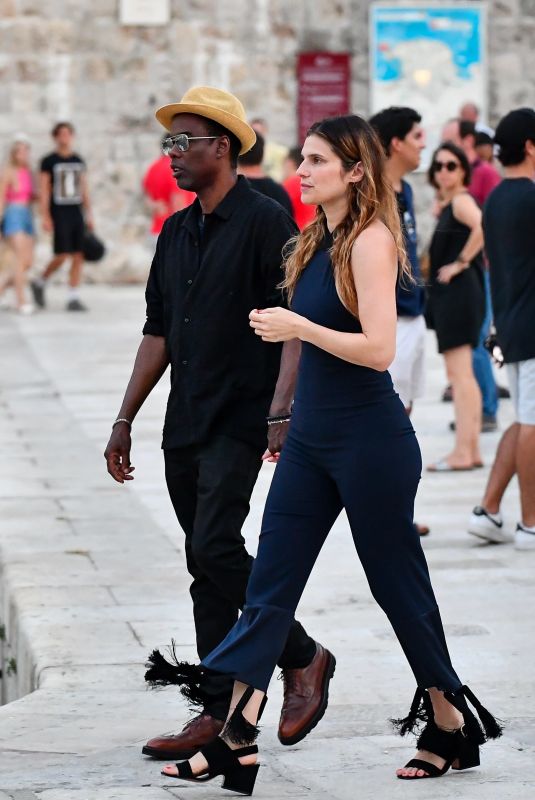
x: 210, y: 486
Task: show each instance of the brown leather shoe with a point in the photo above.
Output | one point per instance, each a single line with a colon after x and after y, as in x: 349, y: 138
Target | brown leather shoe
x: 306, y: 694
x: 194, y: 735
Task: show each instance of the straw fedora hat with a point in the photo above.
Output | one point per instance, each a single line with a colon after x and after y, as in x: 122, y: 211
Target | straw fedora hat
x: 215, y: 104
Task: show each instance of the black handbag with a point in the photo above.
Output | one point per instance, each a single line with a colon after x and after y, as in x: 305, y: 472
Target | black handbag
x: 92, y: 247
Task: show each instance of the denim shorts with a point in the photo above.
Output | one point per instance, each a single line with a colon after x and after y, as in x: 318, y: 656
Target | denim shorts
x: 17, y: 219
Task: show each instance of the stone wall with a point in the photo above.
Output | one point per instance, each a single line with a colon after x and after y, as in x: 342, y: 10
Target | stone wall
x: 72, y: 59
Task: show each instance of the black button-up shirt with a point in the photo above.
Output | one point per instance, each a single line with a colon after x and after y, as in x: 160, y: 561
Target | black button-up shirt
x: 204, y: 280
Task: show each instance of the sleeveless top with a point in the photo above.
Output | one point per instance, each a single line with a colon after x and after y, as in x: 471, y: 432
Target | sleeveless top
x: 24, y: 189
x: 448, y: 240
x: 326, y: 381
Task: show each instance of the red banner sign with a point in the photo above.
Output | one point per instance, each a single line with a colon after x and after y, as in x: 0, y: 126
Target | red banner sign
x: 323, y: 87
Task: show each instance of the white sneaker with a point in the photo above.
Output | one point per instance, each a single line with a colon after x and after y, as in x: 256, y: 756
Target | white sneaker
x: 26, y: 309
x: 488, y: 527
x: 524, y: 539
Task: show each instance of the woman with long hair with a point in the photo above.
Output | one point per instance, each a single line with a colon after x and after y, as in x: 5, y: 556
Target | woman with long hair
x: 350, y: 445
x: 16, y: 197
x: 457, y: 298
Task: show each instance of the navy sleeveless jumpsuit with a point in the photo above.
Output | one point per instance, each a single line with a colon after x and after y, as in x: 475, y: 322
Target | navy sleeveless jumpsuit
x: 350, y: 445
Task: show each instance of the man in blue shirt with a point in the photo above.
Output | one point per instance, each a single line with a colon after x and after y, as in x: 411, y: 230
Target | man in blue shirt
x: 402, y: 137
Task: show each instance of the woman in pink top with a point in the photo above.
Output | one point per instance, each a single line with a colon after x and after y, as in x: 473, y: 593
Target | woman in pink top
x: 16, y: 197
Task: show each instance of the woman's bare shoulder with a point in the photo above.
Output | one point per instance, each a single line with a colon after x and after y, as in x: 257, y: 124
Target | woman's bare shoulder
x: 462, y: 201
x: 375, y: 235
x: 465, y: 208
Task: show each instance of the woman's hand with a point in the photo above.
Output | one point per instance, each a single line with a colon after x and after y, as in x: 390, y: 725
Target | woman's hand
x: 276, y: 324
x: 272, y: 457
x: 449, y: 271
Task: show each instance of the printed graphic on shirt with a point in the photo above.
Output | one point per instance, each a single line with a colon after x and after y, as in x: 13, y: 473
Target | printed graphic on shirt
x: 67, y: 183
x: 409, y: 225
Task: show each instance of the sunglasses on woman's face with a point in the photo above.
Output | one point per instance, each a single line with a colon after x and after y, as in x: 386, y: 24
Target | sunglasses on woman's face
x: 451, y: 166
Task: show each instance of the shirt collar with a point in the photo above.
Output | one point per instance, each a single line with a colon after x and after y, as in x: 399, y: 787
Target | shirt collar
x: 232, y: 200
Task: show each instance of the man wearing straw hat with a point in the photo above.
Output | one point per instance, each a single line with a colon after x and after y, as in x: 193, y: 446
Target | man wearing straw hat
x: 214, y: 262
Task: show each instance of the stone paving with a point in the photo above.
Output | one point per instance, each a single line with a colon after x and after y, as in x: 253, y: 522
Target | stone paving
x: 93, y: 577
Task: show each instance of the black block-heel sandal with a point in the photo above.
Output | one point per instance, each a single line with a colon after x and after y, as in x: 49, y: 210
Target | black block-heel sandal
x: 453, y: 746
x: 223, y: 760
x: 460, y: 748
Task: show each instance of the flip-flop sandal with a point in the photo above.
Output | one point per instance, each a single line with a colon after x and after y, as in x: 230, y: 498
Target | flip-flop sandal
x: 443, y: 466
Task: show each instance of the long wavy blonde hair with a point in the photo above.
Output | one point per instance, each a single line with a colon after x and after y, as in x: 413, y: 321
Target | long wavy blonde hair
x: 352, y: 139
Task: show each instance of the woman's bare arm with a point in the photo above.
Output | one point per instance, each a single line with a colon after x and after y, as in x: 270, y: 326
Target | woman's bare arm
x: 466, y: 210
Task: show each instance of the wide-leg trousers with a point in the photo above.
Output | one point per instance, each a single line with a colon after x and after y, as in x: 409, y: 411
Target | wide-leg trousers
x: 367, y: 461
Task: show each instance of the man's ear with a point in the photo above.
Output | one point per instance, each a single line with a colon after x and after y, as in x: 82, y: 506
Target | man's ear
x: 223, y: 147
x: 395, y: 143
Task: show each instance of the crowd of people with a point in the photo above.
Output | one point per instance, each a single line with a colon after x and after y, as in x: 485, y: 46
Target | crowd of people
x: 326, y: 358
x: 481, y: 270
x: 453, y: 297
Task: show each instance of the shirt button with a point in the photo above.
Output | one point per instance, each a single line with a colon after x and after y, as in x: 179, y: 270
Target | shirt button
x: 186, y: 319
x: 185, y: 362
x: 190, y: 282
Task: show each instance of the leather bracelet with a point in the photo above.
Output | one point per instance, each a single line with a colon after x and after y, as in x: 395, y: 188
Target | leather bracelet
x: 122, y: 419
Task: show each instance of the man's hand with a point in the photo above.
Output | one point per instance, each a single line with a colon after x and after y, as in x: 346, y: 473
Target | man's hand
x: 117, y: 453
x: 149, y: 366
x: 276, y: 437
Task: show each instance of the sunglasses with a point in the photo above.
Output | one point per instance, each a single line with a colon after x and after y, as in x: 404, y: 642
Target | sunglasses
x: 451, y: 166
x: 181, y: 142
